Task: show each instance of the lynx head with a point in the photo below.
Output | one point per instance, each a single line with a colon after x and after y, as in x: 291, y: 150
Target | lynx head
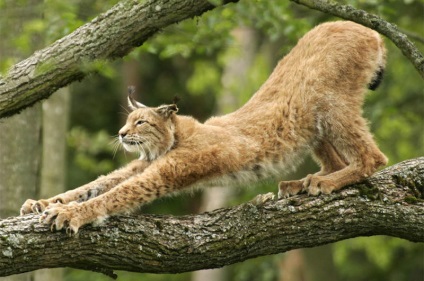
x: 148, y: 130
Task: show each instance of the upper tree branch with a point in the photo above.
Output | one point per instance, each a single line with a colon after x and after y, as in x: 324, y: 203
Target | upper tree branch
x: 127, y: 25
x: 111, y: 35
x: 389, y: 203
x: 372, y: 21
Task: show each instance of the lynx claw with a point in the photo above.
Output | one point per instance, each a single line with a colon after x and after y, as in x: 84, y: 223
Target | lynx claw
x: 71, y: 231
x: 33, y: 206
x: 60, y: 217
x: 313, y: 191
x: 37, y: 207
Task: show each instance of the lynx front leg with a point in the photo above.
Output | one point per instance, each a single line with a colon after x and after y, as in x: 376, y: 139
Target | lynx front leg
x: 124, y: 198
x: 176, y: 170
x: 82, y: 193
x: 87, y: 191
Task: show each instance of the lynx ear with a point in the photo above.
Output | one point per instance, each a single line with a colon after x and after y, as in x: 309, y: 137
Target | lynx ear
x: 132, y: 103
x: 167, y: 110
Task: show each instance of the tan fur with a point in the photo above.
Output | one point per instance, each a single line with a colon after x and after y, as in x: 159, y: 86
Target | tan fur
x: 310, y: 103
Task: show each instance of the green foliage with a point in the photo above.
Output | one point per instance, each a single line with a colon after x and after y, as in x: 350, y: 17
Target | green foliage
x: 206, y: 76
x: 79, y: 275
x: 258, y: 269
x: 378, y: 258
x: 104, y: 67
x: 59, y: 18
x: 89, y: 148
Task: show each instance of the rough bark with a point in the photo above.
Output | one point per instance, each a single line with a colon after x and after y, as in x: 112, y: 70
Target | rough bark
x: 388, y: 29
x: 110, y: 35
x: 388, y: 203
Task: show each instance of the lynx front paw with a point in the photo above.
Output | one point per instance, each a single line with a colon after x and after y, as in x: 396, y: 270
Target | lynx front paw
x: 33, y: 206
x: 61, y: 216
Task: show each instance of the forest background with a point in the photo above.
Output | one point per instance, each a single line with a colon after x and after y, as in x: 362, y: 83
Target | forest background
x: 214, y: 63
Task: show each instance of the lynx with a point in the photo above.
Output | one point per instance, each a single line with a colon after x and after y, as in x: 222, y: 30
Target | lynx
x: 310, y: 103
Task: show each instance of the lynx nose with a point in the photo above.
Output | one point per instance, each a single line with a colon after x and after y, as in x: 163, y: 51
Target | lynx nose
x: 122, y: 133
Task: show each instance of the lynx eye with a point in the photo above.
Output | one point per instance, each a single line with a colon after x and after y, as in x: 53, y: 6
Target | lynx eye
x: 140, y: 122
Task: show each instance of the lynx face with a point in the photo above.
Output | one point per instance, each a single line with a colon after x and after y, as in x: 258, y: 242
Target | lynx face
x: 149, y: 131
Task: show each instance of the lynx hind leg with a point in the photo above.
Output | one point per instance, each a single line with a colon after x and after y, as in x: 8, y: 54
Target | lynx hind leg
x: 363, y: 158
x: 329, y: 160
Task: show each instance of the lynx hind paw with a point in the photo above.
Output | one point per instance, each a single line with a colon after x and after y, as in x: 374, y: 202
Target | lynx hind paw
x: 289, y: 188
x: 315, y: 185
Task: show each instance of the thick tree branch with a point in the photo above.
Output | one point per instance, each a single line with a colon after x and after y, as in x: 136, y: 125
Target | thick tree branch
x: 111, y: 35
x: 390, y: 30
x: 389, y: 203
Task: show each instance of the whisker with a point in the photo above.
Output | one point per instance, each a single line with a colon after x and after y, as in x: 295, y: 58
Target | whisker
x: 114, y: 139
x: 116, y: 146
x: 115, y: 143
x: 141, y: 148
x: 125, y: 109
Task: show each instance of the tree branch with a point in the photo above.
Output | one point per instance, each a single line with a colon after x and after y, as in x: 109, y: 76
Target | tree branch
x: 390, y: 30
x: 111, y: 35
x: 388, y: 203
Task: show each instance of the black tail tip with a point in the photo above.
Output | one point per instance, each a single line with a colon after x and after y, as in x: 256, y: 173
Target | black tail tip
x: 376, y: 80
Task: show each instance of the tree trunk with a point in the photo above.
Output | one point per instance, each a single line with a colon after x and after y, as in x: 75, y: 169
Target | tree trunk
x: 20, y: 137
x: 319, y: 264
x: 20, y: 150
x: 292, y: 266
x: 388, y: 203
x: 52, y: 182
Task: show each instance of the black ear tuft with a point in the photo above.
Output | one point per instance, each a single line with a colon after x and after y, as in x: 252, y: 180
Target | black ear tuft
x: 132, y: 103
x: 176, y: 99
x: 167, y: 110
x: 131, y: 91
